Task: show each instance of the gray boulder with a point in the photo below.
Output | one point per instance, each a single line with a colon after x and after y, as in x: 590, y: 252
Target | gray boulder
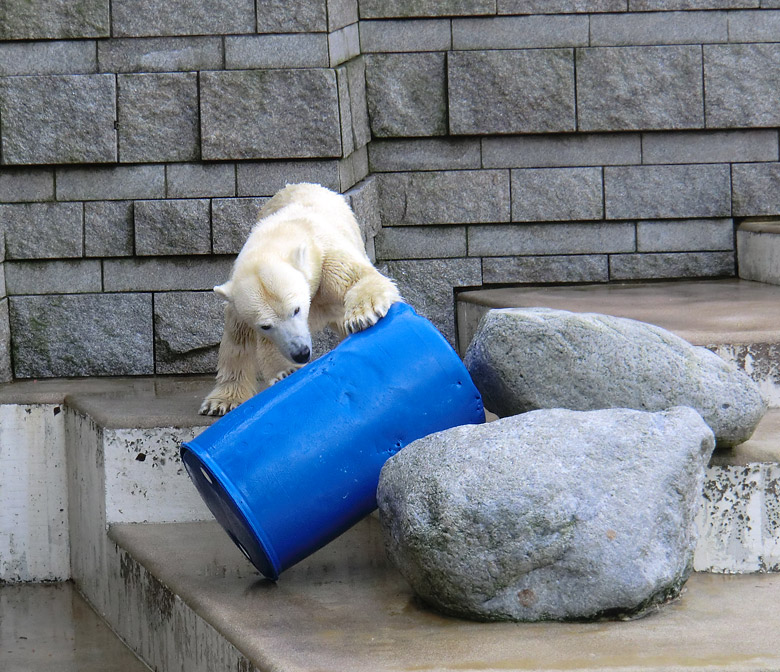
x: 550, y: 515
x: 522, y: 359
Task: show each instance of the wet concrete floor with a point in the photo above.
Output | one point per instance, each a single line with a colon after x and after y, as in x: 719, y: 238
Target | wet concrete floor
x: 49, y: 627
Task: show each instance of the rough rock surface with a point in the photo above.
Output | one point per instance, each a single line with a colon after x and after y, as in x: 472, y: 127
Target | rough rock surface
x: 549, y: 515
x: 523, y: 359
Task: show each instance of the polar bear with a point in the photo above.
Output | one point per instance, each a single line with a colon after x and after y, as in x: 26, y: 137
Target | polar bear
x: 303, y: 267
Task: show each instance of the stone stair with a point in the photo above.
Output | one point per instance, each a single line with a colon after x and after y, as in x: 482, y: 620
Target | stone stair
x: 143, y: 549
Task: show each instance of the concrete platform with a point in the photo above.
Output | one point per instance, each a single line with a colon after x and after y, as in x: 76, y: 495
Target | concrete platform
x: 121, y: 402
x: 50, y: 628
x: 346, y: 609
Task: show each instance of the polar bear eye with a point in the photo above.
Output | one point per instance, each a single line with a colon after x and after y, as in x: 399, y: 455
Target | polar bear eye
x: 296, y: 311
x: 265, y: 327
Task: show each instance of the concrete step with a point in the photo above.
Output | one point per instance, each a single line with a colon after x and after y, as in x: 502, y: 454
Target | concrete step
x: 48, y: 627
x: 190, y: 601
x: 130, y: 428
x: 758, y: 250
x: 737, y: 319
x: 343, y: 604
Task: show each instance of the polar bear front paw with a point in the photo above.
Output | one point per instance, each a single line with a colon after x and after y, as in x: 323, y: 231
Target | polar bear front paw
x: 224, y: 399
x: 368, y: 302
x: 282, y: 374
x: 365, y: 315
x: 217, y: 406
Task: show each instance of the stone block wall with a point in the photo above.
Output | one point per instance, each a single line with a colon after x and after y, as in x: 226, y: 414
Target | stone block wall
x: 138, y: 139
x: 554, y: 141
x: 491, y: 142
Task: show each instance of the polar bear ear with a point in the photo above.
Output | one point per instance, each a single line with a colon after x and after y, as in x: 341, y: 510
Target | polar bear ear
x: 224, y: 290
x: 300, y: 258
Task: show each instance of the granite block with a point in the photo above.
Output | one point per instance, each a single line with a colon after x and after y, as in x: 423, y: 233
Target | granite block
x: 361, y: 126
x: 667, y: 192
x: 754, y: 26
x: 53, y: 277
x: 655, y: 28
x: 160, y: 54
x: 424, y: 154
x: 520, y: 32
x: 231, y: 221
x: 557, y: 194
x: 686, y: 235
x: 551, y: 239
x: 407, y: 94
x: 530, y: 91
x: 444, y: 197
x: 158, y: 117
x: 344, y: 44
x: 266, y: 178
x: 200, y: 180
x: 42, y: 230
x: 54, y: 19
x: 183, y: 344
x: 667, y: 5
x: 742, y: 81
x: 639, y: 88
x: 47, y: 58
x: 671, y: 265
x: 364, y: 201
x: 82, y: 335
x: 710, y: 147
x: 342, y: 13
x: 385, y: 9
x: 292, y: 16
x: 296, y: 50
x: 428, y: 286
x: 108, y: 229
x: 6, y: 370
x: 345, y: 111
x: 108, y: 184
x: 353, y: 168
x: 421, y: 242
x: 146, y: 18
x: 553, y: 269
x: 560, y: 6
x: 245, y: 114
x: 172, y: 227
x: 405, y: 35
x: 26, y: 184
x: 756, y: 189
x: 542, y: 151
x: 58, y: 119
x: 165, y: 274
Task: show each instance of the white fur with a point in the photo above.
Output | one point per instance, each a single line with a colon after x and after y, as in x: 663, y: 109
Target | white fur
x: 302, y: 267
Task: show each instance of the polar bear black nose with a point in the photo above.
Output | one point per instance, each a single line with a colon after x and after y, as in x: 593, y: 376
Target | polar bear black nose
x: 301, y: 356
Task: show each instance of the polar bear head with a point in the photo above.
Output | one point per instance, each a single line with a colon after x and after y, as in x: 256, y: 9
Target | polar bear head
x: 273, y: 296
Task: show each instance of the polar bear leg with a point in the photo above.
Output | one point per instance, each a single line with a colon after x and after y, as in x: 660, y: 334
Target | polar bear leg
x: 368, y: 300
x: 236, y: 367
x: 273, y: 365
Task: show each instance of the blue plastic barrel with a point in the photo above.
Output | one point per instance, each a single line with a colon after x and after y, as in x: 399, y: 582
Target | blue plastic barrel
x: 298, y: 464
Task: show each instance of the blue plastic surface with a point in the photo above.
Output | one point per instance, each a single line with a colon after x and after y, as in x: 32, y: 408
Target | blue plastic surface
x: 298, y: 464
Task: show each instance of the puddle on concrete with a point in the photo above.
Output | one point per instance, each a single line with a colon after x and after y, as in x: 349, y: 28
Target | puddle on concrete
x: 50, y: 628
